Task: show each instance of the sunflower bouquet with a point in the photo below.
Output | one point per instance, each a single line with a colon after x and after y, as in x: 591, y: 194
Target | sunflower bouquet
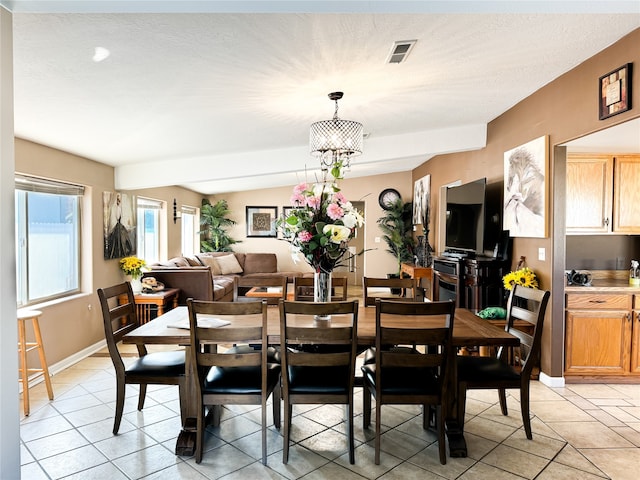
x: 524, y: 276
x: 132, y: 266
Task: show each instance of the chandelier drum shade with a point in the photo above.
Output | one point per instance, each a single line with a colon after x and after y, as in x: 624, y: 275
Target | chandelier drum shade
x: 335, y: 140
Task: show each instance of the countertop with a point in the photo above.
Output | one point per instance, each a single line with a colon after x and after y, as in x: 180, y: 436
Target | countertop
x: 604, y: 285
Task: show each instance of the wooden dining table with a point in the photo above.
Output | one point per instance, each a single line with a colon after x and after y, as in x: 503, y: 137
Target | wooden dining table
x: 171, y: 328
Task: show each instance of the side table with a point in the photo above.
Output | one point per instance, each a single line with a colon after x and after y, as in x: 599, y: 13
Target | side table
x: 149, y: 303
x: 414, y: 271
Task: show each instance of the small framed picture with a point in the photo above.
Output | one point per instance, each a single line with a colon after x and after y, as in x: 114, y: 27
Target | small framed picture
x: 615, y: 92
x: 286, y: 211
x: 261, y: 221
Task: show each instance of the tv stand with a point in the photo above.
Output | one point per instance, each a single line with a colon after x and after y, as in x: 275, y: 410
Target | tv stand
x: 458, y: 254
x: 473, y: 282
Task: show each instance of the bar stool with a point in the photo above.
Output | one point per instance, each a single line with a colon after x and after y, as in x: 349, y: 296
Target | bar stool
x: 24, y: 347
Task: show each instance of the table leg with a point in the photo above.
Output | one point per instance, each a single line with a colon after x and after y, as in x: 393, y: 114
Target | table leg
x: 454, y: 426
x: 186, y: 442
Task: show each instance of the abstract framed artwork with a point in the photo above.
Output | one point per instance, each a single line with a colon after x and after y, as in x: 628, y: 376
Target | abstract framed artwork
x: 261, y: 221
x: 614, y: 91
x: 421, y: 200
x: 525, y: 189
x: 119, y: 224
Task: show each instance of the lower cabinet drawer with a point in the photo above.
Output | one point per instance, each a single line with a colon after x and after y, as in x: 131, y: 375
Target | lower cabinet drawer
x: 599, y: 301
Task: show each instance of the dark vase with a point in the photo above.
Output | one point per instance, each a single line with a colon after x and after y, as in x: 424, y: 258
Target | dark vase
x: 424, y: 252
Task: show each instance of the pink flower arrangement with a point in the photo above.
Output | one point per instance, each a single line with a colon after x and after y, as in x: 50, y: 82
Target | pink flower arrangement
x: 321, y: 224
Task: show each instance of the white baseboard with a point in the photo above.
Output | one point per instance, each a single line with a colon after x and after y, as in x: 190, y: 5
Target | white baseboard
x: 67, y: 362
x: 553, y: 382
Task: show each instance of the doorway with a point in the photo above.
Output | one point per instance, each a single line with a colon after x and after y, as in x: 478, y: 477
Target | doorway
x: 353, y: 266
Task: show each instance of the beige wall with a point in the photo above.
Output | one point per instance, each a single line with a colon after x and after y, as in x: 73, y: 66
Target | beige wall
x: 377, y: 262
x: 73, y: 324
x: 565, y: 109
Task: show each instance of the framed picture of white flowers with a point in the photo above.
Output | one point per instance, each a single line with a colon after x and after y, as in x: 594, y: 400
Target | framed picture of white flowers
x: 525, y: 189
x: 261, y: 221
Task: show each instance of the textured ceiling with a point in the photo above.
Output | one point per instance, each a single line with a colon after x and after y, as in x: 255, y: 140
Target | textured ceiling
x: 223, y: 101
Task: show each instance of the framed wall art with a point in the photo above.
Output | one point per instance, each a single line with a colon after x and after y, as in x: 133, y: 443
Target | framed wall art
x: 615, y: 92
x: 119, y: 225
x: 261, y: 221
x: 286, y: 211
x: 421, y: 199
x: 525, y: 189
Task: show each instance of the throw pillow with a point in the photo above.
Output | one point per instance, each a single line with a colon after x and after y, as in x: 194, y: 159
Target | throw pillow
x: 229, y: 264
x: 492, y: 313
x: 209, y: 261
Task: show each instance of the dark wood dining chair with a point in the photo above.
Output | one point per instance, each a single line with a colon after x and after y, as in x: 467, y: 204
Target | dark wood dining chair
x: 241, y: 376
x: 372, y: 289
x: 242, y: 285
x: 510, y: 368
x: 404, y: 375
x: 324, y: 375
x: 157, y: 368
x: 303, y: 289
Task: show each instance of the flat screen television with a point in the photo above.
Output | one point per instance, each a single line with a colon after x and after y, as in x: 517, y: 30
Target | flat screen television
x: 465, y: 221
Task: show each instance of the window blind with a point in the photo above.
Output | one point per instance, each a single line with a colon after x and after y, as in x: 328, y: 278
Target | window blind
x: 43, y: 185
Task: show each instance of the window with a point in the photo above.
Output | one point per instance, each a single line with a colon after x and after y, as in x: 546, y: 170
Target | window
x: 47, y: 239
x: 149, y: 229
x: 189, y: 231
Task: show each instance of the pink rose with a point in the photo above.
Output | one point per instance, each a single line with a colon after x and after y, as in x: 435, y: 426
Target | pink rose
x: 300, y: 188
x: 334, y: 211
x: 304, y: 236
x: 340, y: 198
x: 313, y: 202
x: 296, y: 199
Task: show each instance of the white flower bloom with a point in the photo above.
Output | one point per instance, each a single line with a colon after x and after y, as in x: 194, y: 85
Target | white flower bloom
x: 352, y: 218
x: 338, y: 233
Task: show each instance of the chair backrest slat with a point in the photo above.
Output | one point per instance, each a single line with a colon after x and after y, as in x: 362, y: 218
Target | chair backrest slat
x: 203, y: 338
x: 295, y: 336
x: 527, y: 304
x: 435, y: 340
x: 119, y: 318
x: 406, y: 284
x: 246, y: 283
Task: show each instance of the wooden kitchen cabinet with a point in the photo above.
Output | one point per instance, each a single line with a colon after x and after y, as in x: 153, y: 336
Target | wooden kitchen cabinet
x: 635, y: 339
x: 603, y: 194
x: 626, y: 199
x: 589, y: 193
x: 599, y: 336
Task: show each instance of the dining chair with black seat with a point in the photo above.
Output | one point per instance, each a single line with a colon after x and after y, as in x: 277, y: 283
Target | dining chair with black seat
x: 404, y: 375
x: 119, y: 315
x: 373, y: 288
x: 250, y: 289
x: 303, y: 289
x: 318, y: 376
x: 244, y: 376
x: 509, y: 368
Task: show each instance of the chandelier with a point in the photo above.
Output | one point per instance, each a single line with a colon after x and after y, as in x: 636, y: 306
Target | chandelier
x: 335, y: 141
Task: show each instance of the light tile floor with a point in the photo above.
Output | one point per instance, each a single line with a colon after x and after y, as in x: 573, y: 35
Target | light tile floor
x: 580, y: 432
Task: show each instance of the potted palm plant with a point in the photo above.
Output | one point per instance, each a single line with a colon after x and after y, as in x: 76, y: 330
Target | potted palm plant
x: 214, y: 224
x: 397, y: 232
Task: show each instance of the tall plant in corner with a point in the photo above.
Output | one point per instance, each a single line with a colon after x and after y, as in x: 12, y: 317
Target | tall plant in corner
x: 214, y: 224
x: 397, y: 231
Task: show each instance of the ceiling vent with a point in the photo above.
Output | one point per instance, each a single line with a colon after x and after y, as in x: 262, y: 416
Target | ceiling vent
x: 400, y: 51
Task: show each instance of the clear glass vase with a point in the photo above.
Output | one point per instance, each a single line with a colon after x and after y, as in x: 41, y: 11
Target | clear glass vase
x: 322, y: 290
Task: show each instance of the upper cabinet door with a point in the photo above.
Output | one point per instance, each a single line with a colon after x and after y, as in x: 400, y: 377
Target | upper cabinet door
x: 589, y: 193
x: 626, y: 203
